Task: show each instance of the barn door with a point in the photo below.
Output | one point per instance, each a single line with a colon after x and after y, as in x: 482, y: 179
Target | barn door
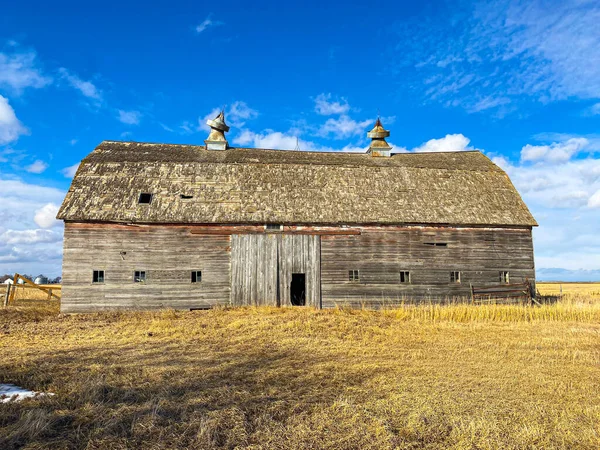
x: 300, y: 270
x: 276, y: 270
x: 254, y: 264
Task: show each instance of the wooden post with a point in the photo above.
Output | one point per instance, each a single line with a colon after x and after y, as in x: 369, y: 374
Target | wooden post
x: 472, y: 293
x: 6, y: 297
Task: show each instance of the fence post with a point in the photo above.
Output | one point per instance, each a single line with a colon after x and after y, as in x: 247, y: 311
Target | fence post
x: 472, y: 293
x: 6, y: 297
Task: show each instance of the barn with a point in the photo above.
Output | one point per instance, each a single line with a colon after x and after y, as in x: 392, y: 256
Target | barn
x: 195, y: 226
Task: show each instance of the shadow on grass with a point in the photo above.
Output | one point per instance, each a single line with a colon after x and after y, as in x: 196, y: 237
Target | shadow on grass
x: 166, y: 394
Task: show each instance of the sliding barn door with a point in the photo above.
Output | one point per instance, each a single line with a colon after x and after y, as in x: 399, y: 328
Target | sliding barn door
x: 254, y: 269
x: 300, y: 258
x: 275, y: 269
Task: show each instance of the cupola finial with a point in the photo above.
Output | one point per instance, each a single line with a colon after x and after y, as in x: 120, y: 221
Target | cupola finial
x: 216, y: 139
x: 379, y: 146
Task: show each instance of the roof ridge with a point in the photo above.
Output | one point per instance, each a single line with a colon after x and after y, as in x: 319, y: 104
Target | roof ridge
x: 337, y: 152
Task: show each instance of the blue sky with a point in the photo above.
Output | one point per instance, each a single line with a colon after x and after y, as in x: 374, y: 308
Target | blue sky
x: 518, y: 80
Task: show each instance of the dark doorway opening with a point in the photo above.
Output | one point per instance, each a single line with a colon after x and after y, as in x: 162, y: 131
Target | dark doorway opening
x: 298, y: 289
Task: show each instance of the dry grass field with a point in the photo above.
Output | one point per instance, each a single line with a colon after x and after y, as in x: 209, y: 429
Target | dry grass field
x: 435, y: 377
x: 590, y: 289
x: 25, y: 292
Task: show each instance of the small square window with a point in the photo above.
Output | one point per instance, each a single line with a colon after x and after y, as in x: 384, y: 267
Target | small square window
x: 504, y: 277
x: 454, y: 277
x: 405, y: 276
x: 273, y: 227
x: 98, y: 276
x: 196, y: 276
x: 353, y: 275
x: 139, y: 276
x: 145, y: 198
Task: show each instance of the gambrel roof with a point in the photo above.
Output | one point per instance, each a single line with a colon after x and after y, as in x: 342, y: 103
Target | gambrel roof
x: 245, y: 185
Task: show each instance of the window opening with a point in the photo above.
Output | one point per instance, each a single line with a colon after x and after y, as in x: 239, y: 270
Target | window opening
x: 98, y: 276
x: 196, y: 276
x: 405, y: 276
x: 139, y: 276
x: 145, y: 198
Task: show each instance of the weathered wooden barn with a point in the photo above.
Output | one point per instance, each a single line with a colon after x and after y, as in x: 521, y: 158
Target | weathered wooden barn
x: 185, y: 226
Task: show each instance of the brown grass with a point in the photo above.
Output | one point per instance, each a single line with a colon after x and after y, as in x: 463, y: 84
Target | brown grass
x: 455, y: 376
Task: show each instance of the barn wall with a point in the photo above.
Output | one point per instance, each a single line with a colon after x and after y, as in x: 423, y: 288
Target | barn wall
x: 381, y: 253
x: 167, y: 254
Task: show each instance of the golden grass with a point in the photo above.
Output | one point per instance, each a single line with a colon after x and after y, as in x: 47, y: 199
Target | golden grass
x: 455, y: 376
x: 26, y: 292
x: 589, y: 289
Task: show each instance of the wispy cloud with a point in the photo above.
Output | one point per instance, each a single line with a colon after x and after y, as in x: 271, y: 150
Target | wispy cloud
x: 70, y: 171
x: 343, y: 127
x: 325, y: 106
x: 207, y: 23
x: 20, y: 70
x: 10, y: 127
x: 555, y: 152
x: 494, y: 55
x: 129, y: 117
x: 38, y: 166
x: 86, y: 88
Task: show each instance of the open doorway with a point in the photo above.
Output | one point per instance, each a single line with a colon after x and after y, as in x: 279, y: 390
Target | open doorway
x: 298, y: 289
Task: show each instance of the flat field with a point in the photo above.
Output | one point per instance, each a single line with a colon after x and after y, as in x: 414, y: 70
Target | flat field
x: 436, y: 377
x: 556, y: 288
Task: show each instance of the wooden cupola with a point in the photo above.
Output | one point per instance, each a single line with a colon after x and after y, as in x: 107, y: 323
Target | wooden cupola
x: 216, y: 139
x: 379, y: 146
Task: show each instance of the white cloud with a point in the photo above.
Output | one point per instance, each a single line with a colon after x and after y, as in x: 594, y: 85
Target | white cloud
x: 449, y: 143
x: 12, y: 237
x: 86, y: 88
x: 490, y: 55
x: 70, y: 171
x: 24, y: 246
x: 343, y: 127
x: 207, y: 23
x: 129, y: 117
x: 10, y: 127
x: 45, y: 217
x: 273, y: 140
x: 19, y: 71
x: 73, y: 141
x: 236, y: 116
x: 594, y: 201
x: 37, y: 167
x: 325, y: 107
x: 594, y: 110
x: 555, y: 152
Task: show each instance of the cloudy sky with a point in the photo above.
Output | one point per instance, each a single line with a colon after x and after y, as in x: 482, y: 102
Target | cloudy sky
x: 519, y: 81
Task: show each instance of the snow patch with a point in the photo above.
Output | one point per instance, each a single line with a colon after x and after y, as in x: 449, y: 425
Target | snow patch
x: 12, y: 392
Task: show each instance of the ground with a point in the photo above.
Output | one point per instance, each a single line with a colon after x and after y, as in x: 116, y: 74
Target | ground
x: 455, y: 376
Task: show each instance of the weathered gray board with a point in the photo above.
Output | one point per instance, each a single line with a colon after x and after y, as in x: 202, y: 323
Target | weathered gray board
x: 167, y: 254
x: 262, y: 266
x: 380, y: 253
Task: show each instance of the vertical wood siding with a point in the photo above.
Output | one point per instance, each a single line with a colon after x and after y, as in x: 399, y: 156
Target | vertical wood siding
x: 254, y: 269
x: 300, y: 254
x: 260, y: 261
